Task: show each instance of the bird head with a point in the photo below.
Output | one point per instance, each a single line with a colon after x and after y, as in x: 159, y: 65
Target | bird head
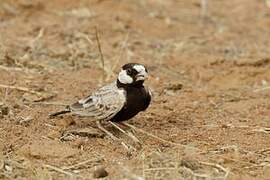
x: 132, y: 74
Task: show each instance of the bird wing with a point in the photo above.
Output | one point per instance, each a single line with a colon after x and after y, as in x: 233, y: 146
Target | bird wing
x: 102, y: 104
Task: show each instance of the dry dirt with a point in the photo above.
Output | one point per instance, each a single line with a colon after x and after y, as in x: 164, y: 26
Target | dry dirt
x: 210, y: 75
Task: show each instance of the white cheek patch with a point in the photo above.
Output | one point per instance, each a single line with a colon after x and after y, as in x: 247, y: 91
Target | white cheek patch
x: 124, y: 78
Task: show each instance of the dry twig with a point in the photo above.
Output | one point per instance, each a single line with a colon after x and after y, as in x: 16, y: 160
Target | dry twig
x: 80, y: 164
x: 218, y: 167
x: 58, y: 170
x: 197, y: 174
x: 152, y: 135
x: 6, y: 68
x: 100, y: 50
x: 256, y: 166
x: 32, y: 43
x: 20, y: 89
x: 263, y: 151
x: 123, y: 47
x: 204, y: 5
x: 262, y: 129
x: 113, y: 137
x: 50, y: 103
x: 135, y: 139
x: 261, y: 89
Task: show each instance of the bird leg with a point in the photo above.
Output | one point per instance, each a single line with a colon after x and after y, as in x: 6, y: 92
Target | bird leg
x: 106, y: 131
x: 130, y: 135
x: 112, y: 136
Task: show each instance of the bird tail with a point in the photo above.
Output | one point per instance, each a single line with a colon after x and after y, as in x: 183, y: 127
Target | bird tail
x: 67, y: 110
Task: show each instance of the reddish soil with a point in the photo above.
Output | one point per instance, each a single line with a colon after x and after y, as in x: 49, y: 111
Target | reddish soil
x: 209, y: 72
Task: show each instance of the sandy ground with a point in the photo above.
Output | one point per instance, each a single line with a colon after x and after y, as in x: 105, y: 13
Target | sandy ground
x: 210, y: 75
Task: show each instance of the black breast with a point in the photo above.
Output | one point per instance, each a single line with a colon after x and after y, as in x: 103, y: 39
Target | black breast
x: 138, y: 99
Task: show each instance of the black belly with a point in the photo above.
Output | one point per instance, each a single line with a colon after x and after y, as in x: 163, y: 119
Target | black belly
x: 138, y: 99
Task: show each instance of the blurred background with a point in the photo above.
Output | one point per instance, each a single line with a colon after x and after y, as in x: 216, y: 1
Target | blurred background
x: 209, y: 70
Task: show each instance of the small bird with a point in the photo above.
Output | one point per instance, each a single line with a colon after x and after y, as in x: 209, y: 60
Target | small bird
x: 118, y: 101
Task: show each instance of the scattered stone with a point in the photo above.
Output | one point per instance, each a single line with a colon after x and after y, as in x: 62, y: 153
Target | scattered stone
x: 7, y: 167
x: 4, y: 110
x: 100, y: 173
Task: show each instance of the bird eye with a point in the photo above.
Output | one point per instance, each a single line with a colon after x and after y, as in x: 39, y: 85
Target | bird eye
x: 129, y: 71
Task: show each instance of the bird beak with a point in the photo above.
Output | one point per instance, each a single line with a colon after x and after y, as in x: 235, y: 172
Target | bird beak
x: 141, y: 76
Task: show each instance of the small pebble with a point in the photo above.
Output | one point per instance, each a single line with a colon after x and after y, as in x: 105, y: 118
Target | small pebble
x: 8, y: 168
x: 4, y: 110
x: 100, y: 173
